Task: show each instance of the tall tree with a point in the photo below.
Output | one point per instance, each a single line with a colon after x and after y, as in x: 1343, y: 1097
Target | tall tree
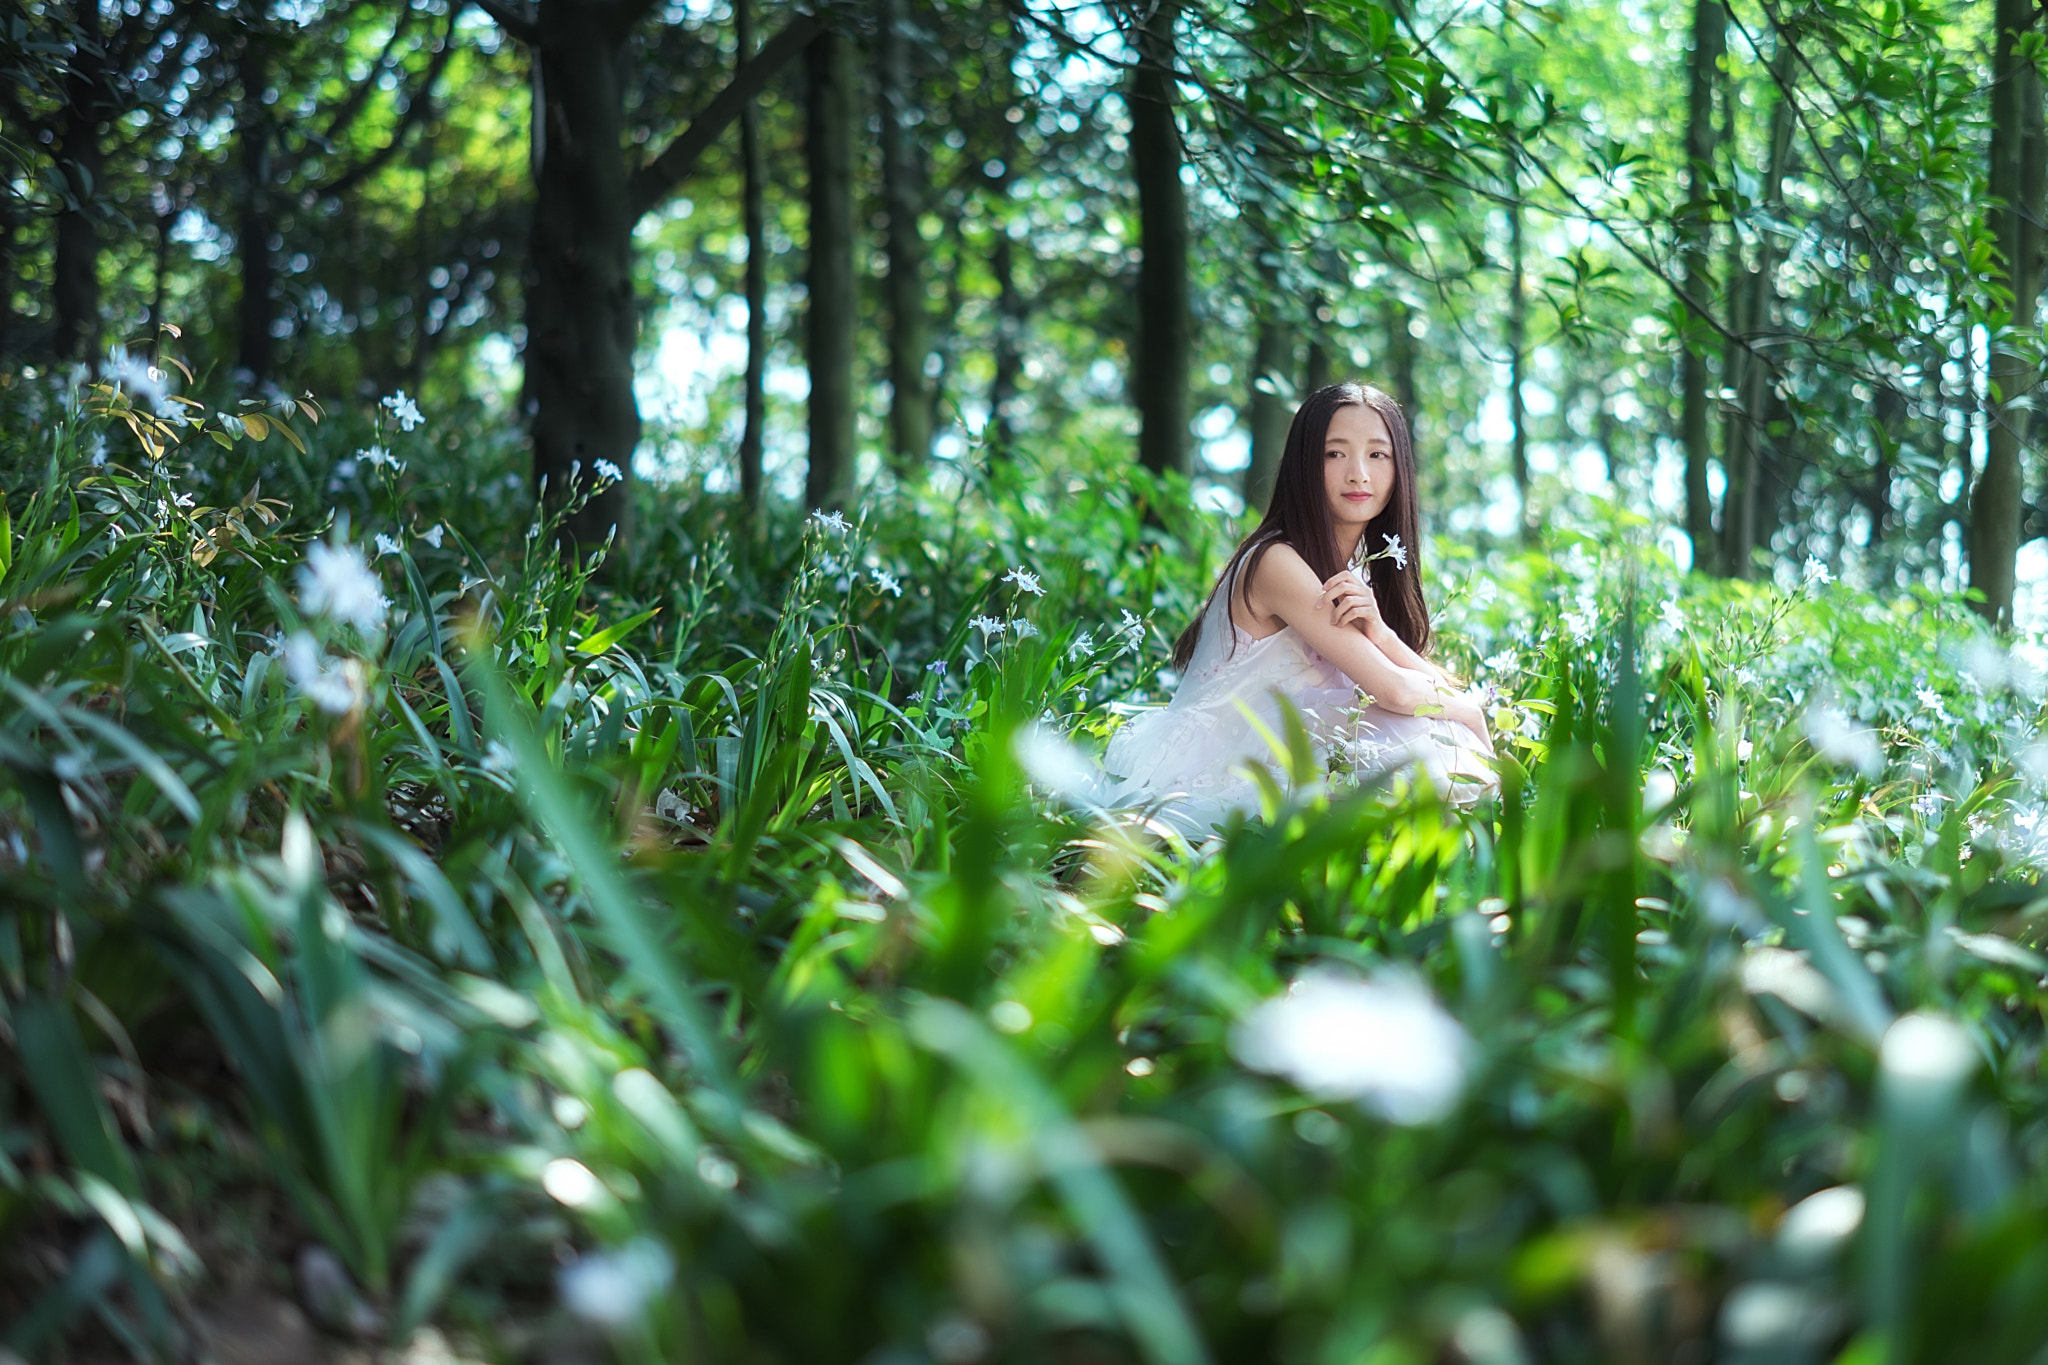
x: 1709, y: 41
x: 1164, y: 328
x: 753, y: 212
x: 1272, y: 367
x: 80, y: 157
x: 1518, y: 348
x: 253, y: 234
x: 582, y: 322
x: 828, y: 142
x: 2017, y: 165
x: 1742, y: 442
x: 1272, y: 371
x: 910, y: 404
x: 1009, y: 332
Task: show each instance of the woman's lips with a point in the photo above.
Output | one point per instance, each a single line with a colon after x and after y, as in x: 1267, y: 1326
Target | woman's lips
x: 1358, y: 497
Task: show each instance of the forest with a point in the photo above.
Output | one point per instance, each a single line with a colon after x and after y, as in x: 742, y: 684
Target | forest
x: 565, y: 567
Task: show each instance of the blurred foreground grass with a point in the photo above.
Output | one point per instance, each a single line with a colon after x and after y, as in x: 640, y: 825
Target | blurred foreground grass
x: 698, y: 961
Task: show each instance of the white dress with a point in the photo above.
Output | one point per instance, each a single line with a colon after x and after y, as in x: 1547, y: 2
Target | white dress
x: 1187, y: 760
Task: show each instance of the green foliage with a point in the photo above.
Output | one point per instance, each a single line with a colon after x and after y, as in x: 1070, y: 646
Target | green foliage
x: 703, y: 924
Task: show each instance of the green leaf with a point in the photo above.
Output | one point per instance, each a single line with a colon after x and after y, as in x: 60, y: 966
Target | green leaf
x: 594, y: 645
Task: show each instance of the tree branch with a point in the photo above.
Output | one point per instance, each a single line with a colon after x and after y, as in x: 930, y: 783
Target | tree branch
x: 346, y: 113
x: 517, y: 17
x: 656, y: 180
x: 415, y: 109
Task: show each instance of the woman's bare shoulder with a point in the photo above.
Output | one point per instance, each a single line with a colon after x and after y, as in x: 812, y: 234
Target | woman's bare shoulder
x: 1280, y: 573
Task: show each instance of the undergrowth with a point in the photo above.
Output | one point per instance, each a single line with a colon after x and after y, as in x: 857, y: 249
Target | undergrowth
x: 696, y: 957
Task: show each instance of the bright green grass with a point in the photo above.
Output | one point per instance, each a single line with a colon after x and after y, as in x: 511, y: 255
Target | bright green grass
x: 883, y: 1054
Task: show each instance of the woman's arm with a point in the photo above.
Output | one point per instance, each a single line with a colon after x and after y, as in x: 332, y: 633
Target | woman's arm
x: 1285, y: 587
x: 1350, y: 604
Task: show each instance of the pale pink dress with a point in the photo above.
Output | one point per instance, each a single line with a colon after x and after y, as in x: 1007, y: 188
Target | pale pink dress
x: 1187, y: 759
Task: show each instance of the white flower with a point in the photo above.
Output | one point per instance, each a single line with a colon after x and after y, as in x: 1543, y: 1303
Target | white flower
x: 497, y: 758
x: 1579, y: 625
x: 886, y: 582
x: 404, y: 410
x: 1083, y: 645
x: 1397, y: 552
x: 336, y: 581
x: 1500, y: 663
x: 1835, y: 740
x: 98, y: 450
x: 333, y: 685
x: 612, y: 1288
x: 830, y: 521
x: 1052, y: 762
x: 1025, y: 580
x: 1024, y: 629
x: 386, y: 545
x: 1816, y: 572
x: 1927, y: 806
x: 1929, y: 698
x: 432, y: 535
x: 1926, y: 1056
x: 1673, y: 617
x: 1383, y: 1042
x: 142, y: 380
x: 606, y: 470
x: 987, y: 625
x: 380, y: 458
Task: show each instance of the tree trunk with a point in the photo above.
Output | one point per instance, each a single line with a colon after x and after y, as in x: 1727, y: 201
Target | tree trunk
x: 80, y: 157
x: 1272, y: 362
x: 829, y: 111
x: 1748, y: 375
x: 2016, y: 180
x: 1009, y: 359
x: 1163, y: 345
x: 423, y: 290
x: 582, y: 322
x: 1518, y: 346
x: 910, y: 404
x: 8, y: 276
x: 1401, y: 358
x: 755, y: 216
x: 167, y: 216
x: 1709, y: 38
x: 1315, y: 373
x: 1009, y: 337
x: 254, y: 352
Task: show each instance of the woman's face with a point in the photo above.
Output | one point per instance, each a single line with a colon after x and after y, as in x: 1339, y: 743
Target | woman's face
x: 1358, y: 466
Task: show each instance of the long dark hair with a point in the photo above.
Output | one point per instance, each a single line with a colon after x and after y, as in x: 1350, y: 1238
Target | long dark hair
x: 1299, y: 515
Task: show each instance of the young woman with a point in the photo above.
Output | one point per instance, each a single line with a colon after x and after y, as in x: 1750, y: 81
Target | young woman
x: 1294, y: 616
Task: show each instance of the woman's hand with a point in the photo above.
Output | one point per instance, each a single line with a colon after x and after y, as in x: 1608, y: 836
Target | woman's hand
x: 1469, y: 710
x: 1351, y: 602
